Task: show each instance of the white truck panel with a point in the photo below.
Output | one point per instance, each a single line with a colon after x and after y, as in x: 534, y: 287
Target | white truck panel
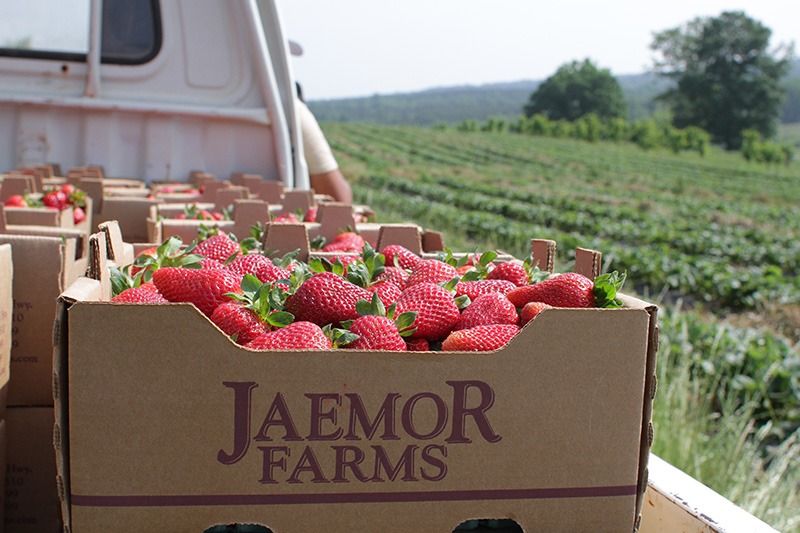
x: 209, y: 100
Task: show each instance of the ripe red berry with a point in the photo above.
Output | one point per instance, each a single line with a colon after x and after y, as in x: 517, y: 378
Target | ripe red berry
x: 16, y: 200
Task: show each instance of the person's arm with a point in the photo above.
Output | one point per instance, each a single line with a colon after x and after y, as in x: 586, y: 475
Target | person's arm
x: 324, y: 173
x: 333, y: 184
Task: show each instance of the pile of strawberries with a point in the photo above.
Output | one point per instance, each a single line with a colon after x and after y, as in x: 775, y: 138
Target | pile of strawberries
x: 392, y: 300
x: 193, y: 212
x: 310, y: 216
x: 58, y: 199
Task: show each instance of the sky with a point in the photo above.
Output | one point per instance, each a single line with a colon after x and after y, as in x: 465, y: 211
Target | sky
x: 357, y: 48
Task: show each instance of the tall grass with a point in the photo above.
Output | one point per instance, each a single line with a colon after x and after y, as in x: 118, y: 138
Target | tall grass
x: 712, y: 435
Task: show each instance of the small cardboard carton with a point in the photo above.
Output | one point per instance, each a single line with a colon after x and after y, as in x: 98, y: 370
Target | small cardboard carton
x: 3, y: 466
x: 129, y: 211
x: 31, y: 495
x: 45, y: 262
x: 164, y: 423
x: 42, y: 216
x: 44, y: 265
x: 6, y: 321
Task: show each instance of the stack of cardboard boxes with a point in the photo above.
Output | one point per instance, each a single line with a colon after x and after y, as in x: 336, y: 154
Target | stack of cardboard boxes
x: 44, y: 262
x: 161, y: 421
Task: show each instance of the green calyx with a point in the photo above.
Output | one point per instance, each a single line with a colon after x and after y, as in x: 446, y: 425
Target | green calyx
x: 535, y: 274
x: 375, y: 307
x: 266, y: 300
x: 606, y: 288
x: 338, y: 336
x: 481, y: 268
x: 169, y: 254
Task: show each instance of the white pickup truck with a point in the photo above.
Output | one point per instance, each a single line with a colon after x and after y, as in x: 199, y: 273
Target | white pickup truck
x: 149, y: 89
x: 155, y: 89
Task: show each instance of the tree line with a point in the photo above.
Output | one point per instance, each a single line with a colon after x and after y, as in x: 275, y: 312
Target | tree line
x: 726, y: 82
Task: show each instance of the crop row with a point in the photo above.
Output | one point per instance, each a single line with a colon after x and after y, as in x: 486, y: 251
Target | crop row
x: 731, y: 277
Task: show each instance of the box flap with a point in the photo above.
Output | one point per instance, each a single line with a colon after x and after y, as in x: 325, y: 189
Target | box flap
x: 295, y: 200
x: 284, y: 238
x: 334, y: 218
x: 43, y: 267
x: 406, y: 235
x: 6, y: 319
x: 270, y: 191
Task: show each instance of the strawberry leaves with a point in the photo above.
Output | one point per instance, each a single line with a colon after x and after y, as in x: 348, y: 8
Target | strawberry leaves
x: 266, y: 300
x: 606, y: 288
x: 169, y: 254
x: 403, y: 322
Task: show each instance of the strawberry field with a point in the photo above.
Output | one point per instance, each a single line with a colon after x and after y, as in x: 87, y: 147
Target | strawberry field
x: 713, y: 240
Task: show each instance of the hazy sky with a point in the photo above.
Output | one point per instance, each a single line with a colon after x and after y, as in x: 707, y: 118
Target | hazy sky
x: 366, y: 47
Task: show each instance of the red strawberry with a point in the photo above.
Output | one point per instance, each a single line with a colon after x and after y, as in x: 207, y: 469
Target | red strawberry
x: 326, y: 298
x: 347, y: 241
x: 436, y: 307
x: 569, y: 289
x: 532, y: 309
x: 146, y: 293
x: 16, y: 200
x: 67, y: 188
x: 387, y: 291
x: 431, y: 271
x: 376, y: 333
x: 286, y: 218
x: 235, y: 319
x: 256, y: 264
x: 417, y: 345
x: 510, y: 271
x: 491, y: 308
x: 480, y: 338
x: 396, y: 275
x: 296, y: 336
x: 311, y: 215
x: 473, y: 289
x: 404, y: 257
x: 205, y: 288
x: 78, y: 215
x: 55, y: 200
x: 211, y: 263
x: 219, y: 247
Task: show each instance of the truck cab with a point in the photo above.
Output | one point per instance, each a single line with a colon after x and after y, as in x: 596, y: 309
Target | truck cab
x: 149, y: 89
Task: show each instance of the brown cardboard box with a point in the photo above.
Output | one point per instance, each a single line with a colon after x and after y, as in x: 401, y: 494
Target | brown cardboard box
x: 3, y: 466
x: 130, y: 211
x: 44, y: 265
x: 6, y: 321
x: 164, y: 423
x: 31, y: 496
x: 41, y: 216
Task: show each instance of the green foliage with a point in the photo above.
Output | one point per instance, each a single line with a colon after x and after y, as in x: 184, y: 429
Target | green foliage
x: 755, y: 148
x: 718, y: 235
x: 575, y: 90
x: 726, y: 79
x: 706, y: 421
x: 448, y: 106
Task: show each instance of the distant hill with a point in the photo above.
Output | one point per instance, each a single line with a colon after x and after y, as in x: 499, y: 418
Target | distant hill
x: 451, y: 105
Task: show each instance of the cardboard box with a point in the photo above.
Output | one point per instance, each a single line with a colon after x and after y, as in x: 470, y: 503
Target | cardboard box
x: 165, y: 423
x: 3, y: 466
x: 6, y: 321
x: 44, y: 266
x: 130, y: 211
x: 41, y: 216
x: 31, y: 495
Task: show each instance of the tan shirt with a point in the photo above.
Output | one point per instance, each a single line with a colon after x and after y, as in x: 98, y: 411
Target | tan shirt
x: 319, y: 156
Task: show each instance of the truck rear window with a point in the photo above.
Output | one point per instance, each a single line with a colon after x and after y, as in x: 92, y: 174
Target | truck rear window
x: 43, y: 29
